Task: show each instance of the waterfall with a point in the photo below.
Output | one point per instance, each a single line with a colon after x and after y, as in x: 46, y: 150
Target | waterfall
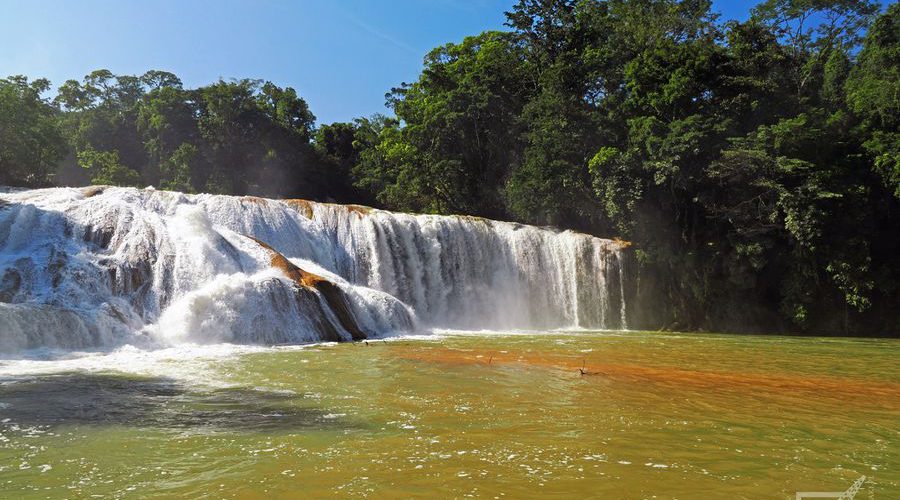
x: 93, y: 267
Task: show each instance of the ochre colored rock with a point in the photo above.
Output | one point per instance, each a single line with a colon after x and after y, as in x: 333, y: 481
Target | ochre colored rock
x: 89, y: 191
x: 302, y: 206
x: 333, y: 295
x: 255, y: 199
x: 297, y: 275
x: 359, y: 210
x: 622, y: 243
x: 305, y: 207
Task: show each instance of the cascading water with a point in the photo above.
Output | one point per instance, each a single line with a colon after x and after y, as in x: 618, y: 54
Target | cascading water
x: 96, y: 267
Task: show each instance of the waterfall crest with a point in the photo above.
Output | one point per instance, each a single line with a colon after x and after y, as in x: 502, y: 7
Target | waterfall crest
x: 102, y: 266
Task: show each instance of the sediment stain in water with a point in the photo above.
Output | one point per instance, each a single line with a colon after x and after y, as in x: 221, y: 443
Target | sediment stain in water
x: 867, y: 391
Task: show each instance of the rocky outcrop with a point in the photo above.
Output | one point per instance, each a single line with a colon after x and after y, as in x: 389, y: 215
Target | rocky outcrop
x: 302, y: 206
x: 359, y: 210
x: 332, y: 294
x: 9, y: 285
x: 622, y: 243
x: 90, y: 191
x: 305, y: 207
x: 255, y: 200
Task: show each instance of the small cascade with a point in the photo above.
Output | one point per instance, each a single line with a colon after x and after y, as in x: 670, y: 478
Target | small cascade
x: 84, y: 268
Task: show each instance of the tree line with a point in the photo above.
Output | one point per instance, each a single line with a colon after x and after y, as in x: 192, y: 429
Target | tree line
x: 755, y: 165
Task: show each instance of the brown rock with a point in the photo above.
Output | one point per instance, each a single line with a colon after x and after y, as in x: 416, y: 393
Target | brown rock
x: 293, y: 272
x: 90, y: 191
x: 302, y: 206
x: 341, y: 308
x: 474, y: 219
x: 622, y: 243
x: 255, y: 199
x: 359, y: 210
x: 332, y: 293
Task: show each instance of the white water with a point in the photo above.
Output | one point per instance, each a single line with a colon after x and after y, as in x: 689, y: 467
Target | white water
x: 157, y: 268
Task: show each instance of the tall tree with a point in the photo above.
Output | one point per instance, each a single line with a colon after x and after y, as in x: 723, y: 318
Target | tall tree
x: 31, y: 145
x: 873, y: 93
x: 461, y: 121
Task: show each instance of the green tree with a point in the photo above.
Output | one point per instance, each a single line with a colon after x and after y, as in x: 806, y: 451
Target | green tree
x: 31, y: 144
x: 873, y: 93
x: 257, y: 139
x: 460, y: 133
x: 389, y: 167
x: 105, y: 168
x: 102, y: 115
x: 177, y: 170
x: 166, y: 121
x: 842, y: 24
x: 338, y: 147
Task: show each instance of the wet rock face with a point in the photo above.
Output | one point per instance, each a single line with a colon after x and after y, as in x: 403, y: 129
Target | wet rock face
x: 91, y: 191
x: 56, y: 266
x: 255, y: 200
x: 99, y: 235
x: 340, y: 306
x: 302, y: 206
x: 359, y: 210
x: 297, y: 275
x: 129, y: 278
x: 334, y: 297
x: 10, y: 285
x: 325, y: 328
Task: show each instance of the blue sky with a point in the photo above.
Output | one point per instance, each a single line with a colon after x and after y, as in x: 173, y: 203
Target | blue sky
x: 340, y: 55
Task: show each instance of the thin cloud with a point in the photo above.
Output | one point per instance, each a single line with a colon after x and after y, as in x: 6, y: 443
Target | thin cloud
x: 374, y: 31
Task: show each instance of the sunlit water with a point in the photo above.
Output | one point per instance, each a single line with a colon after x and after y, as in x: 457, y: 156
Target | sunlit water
x: 557, y: 415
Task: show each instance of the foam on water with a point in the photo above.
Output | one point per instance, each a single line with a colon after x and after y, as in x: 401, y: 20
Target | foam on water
x: 197, y: 364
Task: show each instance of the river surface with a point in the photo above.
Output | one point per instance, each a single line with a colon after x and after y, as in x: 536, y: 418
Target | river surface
x: 485, y: 415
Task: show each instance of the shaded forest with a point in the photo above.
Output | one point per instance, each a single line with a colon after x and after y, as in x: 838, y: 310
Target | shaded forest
x: 755, y: 166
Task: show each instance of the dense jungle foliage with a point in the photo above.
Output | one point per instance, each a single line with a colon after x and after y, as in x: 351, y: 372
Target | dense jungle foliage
x: 754, y: 165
